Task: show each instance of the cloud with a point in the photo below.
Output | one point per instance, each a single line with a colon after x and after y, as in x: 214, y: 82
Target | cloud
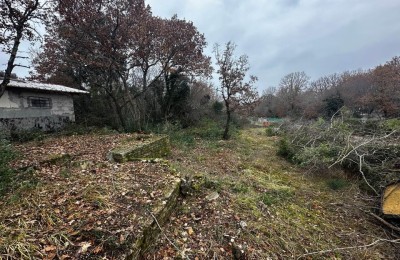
x: 284, y: 36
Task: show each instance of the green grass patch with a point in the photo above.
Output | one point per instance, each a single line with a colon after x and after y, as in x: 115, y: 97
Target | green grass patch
x: 240, y: 187
x: 248, y: 204
x: 206, y: 130
x: 6, y: 173
x: 337, y: 184
x: 273, y: 197
x: 22, y: 136
x: 212, y: 184
x: 10, y: 179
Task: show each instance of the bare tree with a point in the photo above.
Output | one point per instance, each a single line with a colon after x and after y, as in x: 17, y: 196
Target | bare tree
x: 290, y: 88
x: 17, y: 22
x: 325, y: 83
x: 234, y: 90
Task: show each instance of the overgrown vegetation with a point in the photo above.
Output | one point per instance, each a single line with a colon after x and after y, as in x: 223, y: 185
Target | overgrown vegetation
x: 276, y: 196
x: 369, y: 148
x: 68, y: 194
x: 247, y: 198
x: 206, y: 129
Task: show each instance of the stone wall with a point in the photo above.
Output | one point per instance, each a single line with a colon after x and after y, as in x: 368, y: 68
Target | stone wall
x: 160, y: 215
x: 142, y: 147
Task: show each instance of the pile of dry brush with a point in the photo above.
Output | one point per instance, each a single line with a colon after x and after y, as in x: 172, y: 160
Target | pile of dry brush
x: 370, y: 148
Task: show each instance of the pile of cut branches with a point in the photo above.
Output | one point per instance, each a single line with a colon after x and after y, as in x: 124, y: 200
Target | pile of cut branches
x: 371, y: 148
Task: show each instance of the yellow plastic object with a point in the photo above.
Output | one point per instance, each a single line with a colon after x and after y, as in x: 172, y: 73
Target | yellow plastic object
x: 391, y: 200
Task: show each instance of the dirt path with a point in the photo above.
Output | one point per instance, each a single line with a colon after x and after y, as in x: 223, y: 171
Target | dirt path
x: 251, y: 204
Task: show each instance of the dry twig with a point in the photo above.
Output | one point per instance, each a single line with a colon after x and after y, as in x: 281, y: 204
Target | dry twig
x: 341, y: 159
x: 360, y: 166
x: 162, y: 232
x: 393, y: 227
x: 396, y: 241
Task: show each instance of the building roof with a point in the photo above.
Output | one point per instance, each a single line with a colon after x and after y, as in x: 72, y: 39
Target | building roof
x: 44, y: 87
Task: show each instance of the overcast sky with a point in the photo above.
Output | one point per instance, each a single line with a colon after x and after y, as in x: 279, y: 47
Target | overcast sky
x: 319, y: 37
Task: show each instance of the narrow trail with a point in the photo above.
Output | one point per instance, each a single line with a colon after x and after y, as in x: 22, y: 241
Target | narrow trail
x: 248, y: 203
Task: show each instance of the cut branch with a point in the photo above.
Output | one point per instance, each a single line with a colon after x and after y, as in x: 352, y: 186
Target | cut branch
x: 360, y: 166
x: 393, y: 227
x: 396, y: 241
x: 341, y: 159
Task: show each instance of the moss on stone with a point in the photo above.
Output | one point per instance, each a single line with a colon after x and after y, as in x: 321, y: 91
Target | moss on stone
x: 159, y: 215
x: 143, y: 148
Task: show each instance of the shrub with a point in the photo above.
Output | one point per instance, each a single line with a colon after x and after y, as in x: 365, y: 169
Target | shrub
x: 285, y: 149
x: 23, y: 136
x: 337, y: 184
x: 269, y: 131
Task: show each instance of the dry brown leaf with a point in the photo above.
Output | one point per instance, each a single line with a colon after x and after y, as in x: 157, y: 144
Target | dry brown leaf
x: 122, y: 238
x: 50, y: 248
x: 97, y: 249
x: 50, y: 256
x: 190, y: 231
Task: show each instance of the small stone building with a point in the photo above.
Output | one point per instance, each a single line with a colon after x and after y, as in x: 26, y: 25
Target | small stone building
x: 32, y: 105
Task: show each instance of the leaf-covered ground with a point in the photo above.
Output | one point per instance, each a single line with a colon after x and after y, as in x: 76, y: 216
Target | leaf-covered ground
x: 241, y: 201
x: 250, y: 204
x: 72, y: 203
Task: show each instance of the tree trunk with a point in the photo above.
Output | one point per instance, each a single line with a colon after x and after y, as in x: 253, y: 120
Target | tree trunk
x: 10, y: 64
x: 118, y: 109
x: 228, y: 121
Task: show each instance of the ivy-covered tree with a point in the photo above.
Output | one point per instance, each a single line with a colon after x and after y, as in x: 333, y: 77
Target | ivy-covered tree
x: 333, y: 104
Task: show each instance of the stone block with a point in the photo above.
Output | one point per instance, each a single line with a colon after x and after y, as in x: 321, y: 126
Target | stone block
x: 141, y: 147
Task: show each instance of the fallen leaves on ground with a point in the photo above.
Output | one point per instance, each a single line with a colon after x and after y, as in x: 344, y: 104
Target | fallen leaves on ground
x: 78, y: 205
